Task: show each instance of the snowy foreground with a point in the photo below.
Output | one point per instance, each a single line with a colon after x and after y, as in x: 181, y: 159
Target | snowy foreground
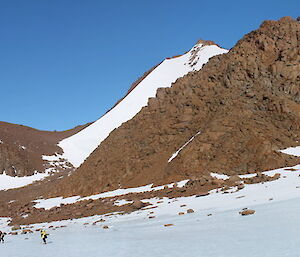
x: 215, y: 229
x: 272, y: 231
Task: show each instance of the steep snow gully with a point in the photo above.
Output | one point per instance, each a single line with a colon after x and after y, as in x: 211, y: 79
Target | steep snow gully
x: 79, y: 146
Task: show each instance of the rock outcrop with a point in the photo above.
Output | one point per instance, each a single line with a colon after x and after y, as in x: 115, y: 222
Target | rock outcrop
x: 239, y: 110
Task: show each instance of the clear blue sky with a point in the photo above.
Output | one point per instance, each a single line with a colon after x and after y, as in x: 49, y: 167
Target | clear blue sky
x: 65, y: 62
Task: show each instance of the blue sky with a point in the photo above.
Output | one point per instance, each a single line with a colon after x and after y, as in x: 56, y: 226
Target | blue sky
x: 65, y: 62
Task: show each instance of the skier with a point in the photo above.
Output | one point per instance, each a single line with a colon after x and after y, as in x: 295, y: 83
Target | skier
x: 2, y: 234
x: 44, y: 236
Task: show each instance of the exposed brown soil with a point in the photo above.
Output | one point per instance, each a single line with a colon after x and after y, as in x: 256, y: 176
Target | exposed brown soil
x: 244, y: 103
x: 21, y: 147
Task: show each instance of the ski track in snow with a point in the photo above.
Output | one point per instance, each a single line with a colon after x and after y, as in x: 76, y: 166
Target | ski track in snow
x: 79, y: 146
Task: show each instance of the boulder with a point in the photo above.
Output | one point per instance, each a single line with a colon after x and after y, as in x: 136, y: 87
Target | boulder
x: 240, y: 186
x: 202, y: 194
x: 15, y: 228
x: 137, y: 204
x: 247, y: 212
x: 190, y: 211
x: 234, y: 179
x: 26, y: 231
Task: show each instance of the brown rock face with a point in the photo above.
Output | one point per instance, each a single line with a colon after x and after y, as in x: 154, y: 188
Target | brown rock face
x: 245, y: 104
x: 21, y: 147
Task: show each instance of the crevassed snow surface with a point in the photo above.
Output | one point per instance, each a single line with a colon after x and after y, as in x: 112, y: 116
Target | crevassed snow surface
x: 8, y: 182
x: 79, y: 146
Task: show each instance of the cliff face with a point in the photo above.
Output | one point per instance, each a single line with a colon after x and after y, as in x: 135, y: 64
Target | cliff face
x: 241, y: 108
x: 21, y: 148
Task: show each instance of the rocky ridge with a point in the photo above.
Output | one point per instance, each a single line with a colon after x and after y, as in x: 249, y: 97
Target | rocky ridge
x: 242, y: 107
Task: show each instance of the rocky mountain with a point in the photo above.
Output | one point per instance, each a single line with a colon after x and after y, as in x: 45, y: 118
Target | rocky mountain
x: 79, y: 146
x: 22, y: 148
x: 232, y: 116
x: 184, y: 121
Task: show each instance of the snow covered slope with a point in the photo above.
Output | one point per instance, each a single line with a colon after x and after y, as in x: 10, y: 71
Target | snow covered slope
x: 215, y: 229
x: 8, y: 182
x: 79, y: 146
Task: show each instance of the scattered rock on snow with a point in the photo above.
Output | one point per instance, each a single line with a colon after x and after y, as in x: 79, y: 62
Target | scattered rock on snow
x: 190, y: 211
x: 247, y: 212
x: 15, y: 228
x: 202, y: 194
x: 95, y: 222
x: 26, y: 231
x: 240, y: 186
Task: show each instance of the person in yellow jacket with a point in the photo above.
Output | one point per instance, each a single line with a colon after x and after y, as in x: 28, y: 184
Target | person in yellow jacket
x: 44, y: 236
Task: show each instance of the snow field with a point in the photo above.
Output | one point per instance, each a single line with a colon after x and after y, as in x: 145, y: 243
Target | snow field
x: 271, y: 232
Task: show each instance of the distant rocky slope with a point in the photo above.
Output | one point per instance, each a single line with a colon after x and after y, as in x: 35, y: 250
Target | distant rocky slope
x: 232, y: 117
x: 22, y: 147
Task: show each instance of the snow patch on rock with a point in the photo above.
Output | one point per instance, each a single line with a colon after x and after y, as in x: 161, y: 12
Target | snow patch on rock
x: 174, y: 155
